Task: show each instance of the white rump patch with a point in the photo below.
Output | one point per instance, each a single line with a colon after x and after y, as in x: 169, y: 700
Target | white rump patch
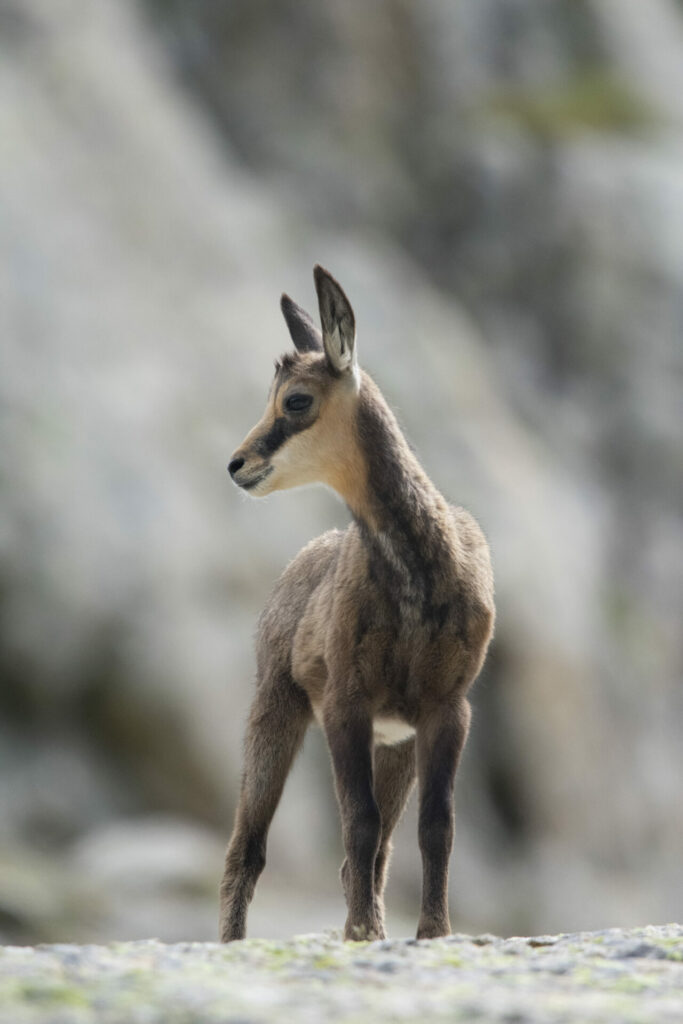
x: 387, y: 731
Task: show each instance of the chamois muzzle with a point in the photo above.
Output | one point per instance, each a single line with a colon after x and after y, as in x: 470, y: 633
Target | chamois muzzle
x: 247, y: 477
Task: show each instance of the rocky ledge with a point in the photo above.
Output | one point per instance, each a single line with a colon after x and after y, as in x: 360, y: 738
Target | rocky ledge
x: 611, y: 976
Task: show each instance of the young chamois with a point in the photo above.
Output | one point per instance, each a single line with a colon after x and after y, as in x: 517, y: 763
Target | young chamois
x: 377, y: 632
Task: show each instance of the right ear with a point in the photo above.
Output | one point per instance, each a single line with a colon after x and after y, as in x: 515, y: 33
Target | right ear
x: 304, y: 333
x: 338, y: 321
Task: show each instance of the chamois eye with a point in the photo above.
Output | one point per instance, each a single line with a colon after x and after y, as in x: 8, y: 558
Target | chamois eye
x: 298, y: 403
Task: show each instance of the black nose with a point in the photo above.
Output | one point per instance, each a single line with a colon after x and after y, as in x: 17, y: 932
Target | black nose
x: 235, y: 465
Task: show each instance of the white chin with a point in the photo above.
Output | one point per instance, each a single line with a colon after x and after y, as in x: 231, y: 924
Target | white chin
x: 260, y: 489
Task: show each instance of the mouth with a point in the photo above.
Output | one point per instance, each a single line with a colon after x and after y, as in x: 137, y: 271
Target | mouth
x: 254, y: 481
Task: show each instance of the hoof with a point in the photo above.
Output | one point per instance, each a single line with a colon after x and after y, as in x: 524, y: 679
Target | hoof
x: 363, y: 932
x: 433, y: 930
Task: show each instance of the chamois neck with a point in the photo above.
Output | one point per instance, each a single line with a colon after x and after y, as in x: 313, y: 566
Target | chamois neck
x: 404, y: 520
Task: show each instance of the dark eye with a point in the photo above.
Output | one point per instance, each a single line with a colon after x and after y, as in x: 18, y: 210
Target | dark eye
x: 298, y: 403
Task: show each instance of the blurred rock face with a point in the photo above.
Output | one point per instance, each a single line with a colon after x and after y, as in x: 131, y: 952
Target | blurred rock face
x: 509, y: 155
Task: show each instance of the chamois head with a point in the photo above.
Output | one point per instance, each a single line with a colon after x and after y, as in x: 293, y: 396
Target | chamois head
x: 303, y: 435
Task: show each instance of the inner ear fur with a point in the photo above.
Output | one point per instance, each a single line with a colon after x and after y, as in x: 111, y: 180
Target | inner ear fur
x: 337, y: 319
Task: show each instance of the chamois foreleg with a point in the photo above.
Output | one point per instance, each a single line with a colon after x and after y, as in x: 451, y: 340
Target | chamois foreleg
x: 349, y: 736
x: 277, y: 723
x: 440, y: 741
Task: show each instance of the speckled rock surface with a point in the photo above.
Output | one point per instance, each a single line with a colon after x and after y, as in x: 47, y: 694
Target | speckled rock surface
x: 612, y: 976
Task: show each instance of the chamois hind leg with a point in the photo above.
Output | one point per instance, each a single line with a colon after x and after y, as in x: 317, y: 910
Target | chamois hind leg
x: 394, y: 778
x: 440, y: 741
x: 277, y: 723
x: 349, y: 736
x: 394, y: 781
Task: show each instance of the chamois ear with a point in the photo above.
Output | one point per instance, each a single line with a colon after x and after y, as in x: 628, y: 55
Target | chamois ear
x: 338, y: 321
x: 304, y: 333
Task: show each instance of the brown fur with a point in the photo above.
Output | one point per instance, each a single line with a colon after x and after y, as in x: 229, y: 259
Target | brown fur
x: 377, y: 631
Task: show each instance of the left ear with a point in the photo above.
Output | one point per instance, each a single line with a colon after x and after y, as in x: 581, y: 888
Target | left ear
x: 303, y: 332
x: 338, y: 322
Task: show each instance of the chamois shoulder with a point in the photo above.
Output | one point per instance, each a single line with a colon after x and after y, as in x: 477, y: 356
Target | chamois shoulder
x: 292, y: 592
x: 468, y: 529
x: 477, y: 558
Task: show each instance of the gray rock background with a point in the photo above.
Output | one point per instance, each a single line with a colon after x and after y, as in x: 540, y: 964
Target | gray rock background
x: 499, y: 187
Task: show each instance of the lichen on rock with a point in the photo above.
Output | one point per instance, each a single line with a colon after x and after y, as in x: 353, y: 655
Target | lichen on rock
x: 614, y: 975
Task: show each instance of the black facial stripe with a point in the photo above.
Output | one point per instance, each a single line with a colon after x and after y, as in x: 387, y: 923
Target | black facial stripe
x: 281, y: 430
x: 275, y: 438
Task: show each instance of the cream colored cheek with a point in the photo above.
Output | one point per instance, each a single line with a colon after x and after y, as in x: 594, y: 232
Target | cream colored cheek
x: 298, y: 461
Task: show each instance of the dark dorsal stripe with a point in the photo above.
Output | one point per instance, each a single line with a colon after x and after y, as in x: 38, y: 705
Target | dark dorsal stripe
x: 401, y: 504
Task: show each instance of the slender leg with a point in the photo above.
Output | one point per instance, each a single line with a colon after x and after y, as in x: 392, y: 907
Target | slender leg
x: 440, y: 741
x: 349, y: 735
x: 394, y: 777
x: 276, y: 727
x: 394, y: 782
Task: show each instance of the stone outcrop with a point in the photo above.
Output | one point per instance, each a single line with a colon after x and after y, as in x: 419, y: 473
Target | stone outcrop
x: 597, y: 978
